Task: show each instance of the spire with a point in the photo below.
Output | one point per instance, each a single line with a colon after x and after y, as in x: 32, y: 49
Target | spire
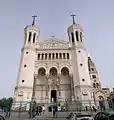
x: 33, y: 22
x: 73, y: 16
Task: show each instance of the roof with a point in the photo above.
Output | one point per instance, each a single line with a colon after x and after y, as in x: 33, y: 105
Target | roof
x: 105, y: 89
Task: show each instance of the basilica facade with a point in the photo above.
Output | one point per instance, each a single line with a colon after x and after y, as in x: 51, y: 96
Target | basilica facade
x: 56, y: 70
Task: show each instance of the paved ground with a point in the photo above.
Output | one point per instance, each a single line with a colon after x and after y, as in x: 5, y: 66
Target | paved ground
x: 25, y: 116
x: 46, y: 116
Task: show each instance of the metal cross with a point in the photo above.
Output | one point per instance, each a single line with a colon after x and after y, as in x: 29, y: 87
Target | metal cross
x: 73, y: 17
x: 34, y: 16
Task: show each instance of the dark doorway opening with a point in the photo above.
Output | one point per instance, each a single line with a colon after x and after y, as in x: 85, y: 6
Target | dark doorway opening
x: 53, y: 96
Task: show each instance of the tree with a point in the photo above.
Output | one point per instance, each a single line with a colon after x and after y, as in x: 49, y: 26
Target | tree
x: 6, y: 102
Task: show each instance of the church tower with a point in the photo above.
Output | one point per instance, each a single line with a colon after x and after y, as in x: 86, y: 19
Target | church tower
x: 25, y: 78
x: 81, y: 78
x: 94, y: 75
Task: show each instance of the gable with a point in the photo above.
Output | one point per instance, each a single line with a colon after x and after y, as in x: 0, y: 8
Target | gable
x: 53, y: 43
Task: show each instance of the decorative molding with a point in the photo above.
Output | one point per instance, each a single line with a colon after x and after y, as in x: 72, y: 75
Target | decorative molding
x: 23, y: 87
x: 53, y: 43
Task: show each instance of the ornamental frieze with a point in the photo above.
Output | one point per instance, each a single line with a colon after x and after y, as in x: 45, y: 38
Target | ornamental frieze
x: 53, y: 44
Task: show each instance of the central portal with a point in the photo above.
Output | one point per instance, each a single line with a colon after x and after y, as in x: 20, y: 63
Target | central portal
x: 53, y: 95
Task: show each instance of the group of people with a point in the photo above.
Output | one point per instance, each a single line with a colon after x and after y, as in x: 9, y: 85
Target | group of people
x: 95, y: 108
x: 36, y: 110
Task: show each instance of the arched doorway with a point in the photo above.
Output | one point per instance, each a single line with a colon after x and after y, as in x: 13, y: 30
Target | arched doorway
x: 53, y: 95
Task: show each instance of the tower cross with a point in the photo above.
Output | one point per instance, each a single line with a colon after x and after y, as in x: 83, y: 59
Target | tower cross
x: 33, y: 22
x: 73, y: 17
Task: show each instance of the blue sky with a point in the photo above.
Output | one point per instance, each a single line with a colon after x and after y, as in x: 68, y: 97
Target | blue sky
x: 96, y: 16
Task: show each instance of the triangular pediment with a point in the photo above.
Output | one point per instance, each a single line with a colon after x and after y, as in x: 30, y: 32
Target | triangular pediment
x: 53, y: 43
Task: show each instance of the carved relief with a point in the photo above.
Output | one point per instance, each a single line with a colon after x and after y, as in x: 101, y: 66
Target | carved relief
x: 84, y: 92
x: 53, y: 44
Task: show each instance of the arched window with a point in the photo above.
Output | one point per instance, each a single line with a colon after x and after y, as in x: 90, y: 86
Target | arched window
x: 41, y: 71
x: 81, y: 36
x: 56, y: 55
x: 77, y: 36
x: 94, y: 85
x: 25, y: 37
x: 67, y: 55
x: 63, y: 55
x: 53, y: 56
x: 29, y: 38
x: 46, y: 56
x: 97, y: 85
x: 42, y: 56
x: 34, y: 36
x: 49, y: 55
x: 93, y: 76
x: 64, y: 71
x: 72, y: 36
x: 92, y: 69
x: 53, y: 72
x: 60, y: 55
x: 38, y: 56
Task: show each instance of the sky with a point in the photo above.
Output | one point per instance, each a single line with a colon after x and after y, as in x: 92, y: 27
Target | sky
x: 96, y: 17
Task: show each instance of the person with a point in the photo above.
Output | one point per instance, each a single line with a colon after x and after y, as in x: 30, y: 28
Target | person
x: 43, y: 108
x: 40, y: 110
x: 54, y: 111
x: 86, y: 109
x: 64, y: 108
x: 94, y: 109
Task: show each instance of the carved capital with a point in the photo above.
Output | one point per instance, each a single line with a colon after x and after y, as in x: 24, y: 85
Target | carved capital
x: 71, y: 76
x: 35, y: 76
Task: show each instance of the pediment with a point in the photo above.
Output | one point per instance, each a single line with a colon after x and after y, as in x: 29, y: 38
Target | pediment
x: 53, y: 43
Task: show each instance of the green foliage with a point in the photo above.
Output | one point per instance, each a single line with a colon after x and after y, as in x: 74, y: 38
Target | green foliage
x: 6, y: 102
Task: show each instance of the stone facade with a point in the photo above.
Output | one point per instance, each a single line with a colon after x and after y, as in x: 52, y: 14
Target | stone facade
x: 56, y: 70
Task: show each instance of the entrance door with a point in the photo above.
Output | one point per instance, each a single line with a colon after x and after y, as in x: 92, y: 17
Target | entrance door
x: 53, y: 95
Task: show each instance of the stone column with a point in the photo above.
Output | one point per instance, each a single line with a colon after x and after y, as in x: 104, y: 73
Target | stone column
x: 72, y: 86
x: 47, y: 87
x: 40, y: 56
x: 59, y: 89
x: 65, y: 55
x: 58, y: 55
x: 62, y: 55
x: 78, y: 35
x: 47, y: 56
x: 51, y: 56
x: 34, y: 86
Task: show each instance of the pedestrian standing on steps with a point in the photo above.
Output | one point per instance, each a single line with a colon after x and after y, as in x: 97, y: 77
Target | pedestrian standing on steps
x: 43, y: 108
x: 40, y: 110
x: 54, y: 111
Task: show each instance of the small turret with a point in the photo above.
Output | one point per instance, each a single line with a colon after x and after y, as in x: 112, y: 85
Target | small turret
x: 93, y: 74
